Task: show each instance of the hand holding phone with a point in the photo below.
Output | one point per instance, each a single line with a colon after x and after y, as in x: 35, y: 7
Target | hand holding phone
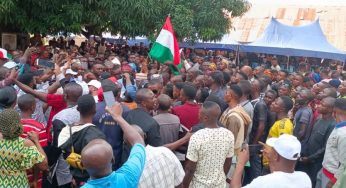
x: 109, y: 98
x: 115, y: 111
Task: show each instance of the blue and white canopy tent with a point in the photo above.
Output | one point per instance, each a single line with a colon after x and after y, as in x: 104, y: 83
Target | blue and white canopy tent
x: 307, y: 40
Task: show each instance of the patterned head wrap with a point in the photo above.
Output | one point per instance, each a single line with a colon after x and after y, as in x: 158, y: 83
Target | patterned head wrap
x: 212, y: 67
x: 10, y: 126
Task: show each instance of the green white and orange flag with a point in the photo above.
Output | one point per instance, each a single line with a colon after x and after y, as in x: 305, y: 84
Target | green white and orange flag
x: 166, y: 47
x: 4, y: 54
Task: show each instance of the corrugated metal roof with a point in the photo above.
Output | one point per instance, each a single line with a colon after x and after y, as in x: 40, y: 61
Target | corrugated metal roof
x: 332, y: 19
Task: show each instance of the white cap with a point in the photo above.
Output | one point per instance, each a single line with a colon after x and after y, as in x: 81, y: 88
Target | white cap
x: 95, y: 83
x: 287, y: 146
x: 116, y: 61
x: 10, y: 64
x: 70, y: 71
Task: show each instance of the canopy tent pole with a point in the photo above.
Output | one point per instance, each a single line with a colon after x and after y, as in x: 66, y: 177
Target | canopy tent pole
x: 237, y: 63
x: 288, y: 63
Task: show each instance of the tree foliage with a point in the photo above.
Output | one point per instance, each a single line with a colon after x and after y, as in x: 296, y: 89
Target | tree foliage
x: 192, y: 19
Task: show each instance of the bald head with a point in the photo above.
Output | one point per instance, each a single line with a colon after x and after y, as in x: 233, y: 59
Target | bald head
x: 97, y: 158
x: 164, y: 102
x: 247, y: 70
x: 143, y: 94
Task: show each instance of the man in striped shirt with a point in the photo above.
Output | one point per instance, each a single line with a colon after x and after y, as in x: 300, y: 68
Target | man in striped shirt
x: 27, y: 105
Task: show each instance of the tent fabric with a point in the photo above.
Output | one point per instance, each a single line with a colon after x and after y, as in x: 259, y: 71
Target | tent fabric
x: 307, y: 40
x: 226, y: 43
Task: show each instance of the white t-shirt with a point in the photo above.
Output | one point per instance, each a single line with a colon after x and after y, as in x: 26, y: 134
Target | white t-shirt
x: 296, y: 179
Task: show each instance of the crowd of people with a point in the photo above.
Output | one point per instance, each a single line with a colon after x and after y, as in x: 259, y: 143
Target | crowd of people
x: 213, y: 124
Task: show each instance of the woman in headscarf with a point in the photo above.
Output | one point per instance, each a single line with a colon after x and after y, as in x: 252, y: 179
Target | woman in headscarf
x: 17, y: 154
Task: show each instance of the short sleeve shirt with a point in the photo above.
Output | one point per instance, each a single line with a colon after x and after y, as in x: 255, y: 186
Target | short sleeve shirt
x: 281, y: 180
x: 126, y: 176
x: 57, y: 103
x: 209, y: 148
x: 283, y: 126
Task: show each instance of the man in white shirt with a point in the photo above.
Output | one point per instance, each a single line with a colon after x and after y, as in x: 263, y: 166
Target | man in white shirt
x: 282, y: 154
x: 210, y: 151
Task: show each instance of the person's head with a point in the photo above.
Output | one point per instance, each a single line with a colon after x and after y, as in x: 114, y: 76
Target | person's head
x: 108, y: 85
x: 27, y: 104
x: 233, y: 94
x: 155, y: 85
x: 27, y: 79
x: 94, y: 86
x: 247, y: 70
x: 258, y: 86
x: 274, y: 61
x: 192, y: 74
x: 326, y: 105
x: 86, y: 106
x: 217, y: 79
x: 246, y: 88
x: 282, y: 75
x: 176, y: 89
x: 327, y: 92
x: 282, y: 104
x: 200, y: 81
x: 8, y: 97
x: 304, y: 96
x: 176, y: 79
x: 116, y: 71
x: 318, y: 87
x: 97, y: 158
x: 340, y: 110
x: 267, y: 81
x: 259, y: 71
x: 168, y: 90
x: 97, y: 69
x: 202, y: 94
x: 209, y: 113
x: 282, y: 153
x: 4, y: 72
x: 317, y: 69
x: 342, y: 88
x: 164, y: 102
x: 325, y: 74
x: 235, y: 79
x: 334, y: 75
x: 72, y: 91
x: 335, y: 83
x: 270, y: 97
x: 10, y: 126
x: 188, y: 92
x: 146, y: 99
x: 298, y: 80
x: 284, y: 89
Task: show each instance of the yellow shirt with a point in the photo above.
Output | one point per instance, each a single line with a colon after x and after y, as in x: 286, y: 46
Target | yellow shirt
x: 283, y: 126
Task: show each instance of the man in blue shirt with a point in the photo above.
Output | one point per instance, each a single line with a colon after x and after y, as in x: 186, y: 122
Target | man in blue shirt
x: 97, y: 158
